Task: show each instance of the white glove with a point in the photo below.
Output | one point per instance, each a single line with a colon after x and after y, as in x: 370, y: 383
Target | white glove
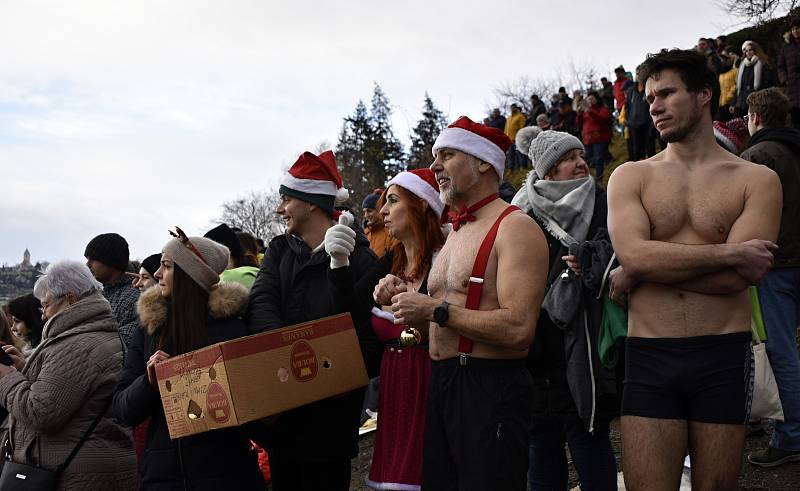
x: 340, y: 240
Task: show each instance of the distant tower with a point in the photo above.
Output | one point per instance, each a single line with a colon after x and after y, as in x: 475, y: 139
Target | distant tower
x: 26, y: 258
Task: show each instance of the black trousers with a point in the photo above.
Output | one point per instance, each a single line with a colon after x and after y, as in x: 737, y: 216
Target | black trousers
x: 477, y: 426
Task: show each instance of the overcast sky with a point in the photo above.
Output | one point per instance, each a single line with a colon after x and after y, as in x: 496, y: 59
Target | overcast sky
x: 133, y: 117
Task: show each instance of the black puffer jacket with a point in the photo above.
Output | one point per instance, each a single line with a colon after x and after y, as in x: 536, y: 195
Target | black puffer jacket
x: 294, y: 285
x: 218, y: 459
x: 556, y: 352
x: 779, y: 149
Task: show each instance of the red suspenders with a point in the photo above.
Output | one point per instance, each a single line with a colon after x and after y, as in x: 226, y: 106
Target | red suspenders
x: 475, y: 287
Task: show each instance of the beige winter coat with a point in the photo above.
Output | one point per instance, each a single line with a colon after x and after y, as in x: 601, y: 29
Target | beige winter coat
x: 64, y: 384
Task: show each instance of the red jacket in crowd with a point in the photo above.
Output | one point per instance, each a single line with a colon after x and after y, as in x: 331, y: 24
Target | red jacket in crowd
x: 595, y: 124
x: 619, y: 91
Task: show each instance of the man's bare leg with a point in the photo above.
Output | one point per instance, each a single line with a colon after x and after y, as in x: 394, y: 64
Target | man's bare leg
x: 716, y: 453
x: 652, y: 453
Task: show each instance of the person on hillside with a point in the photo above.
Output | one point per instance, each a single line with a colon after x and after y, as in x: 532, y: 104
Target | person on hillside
x: 543, y: 122
x: 309, y: 273
x: 537, y: 108
x: 755, y: 73
x: 778, y: 148
x: 188, y: 310
x: 607, y: 93
x: 619, y: 87
x: 412, y: 211
x: 515, y: 122
x: 706, y: 48
x: 61, y: 392
x: 378, y: 236
x: 789, y: 70
x: 478, y: 416
x: 26, y: 321
x: 568, y: 120
x: 641, y: 132
x: 727, y: 84
x: 575, y: 397
x: 496, y: 120
x: 107, y: 256
x: 595, y: 122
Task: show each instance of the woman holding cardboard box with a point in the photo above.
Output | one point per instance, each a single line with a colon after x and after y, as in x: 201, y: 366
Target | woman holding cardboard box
x: 189, y: 310
x: 411, y: 210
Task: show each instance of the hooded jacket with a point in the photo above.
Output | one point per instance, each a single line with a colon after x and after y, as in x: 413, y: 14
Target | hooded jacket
x: 218, y: 459
x: 568, y: 380
x: 779, y: 149
x: 296, y: 285
x: 65, y: 383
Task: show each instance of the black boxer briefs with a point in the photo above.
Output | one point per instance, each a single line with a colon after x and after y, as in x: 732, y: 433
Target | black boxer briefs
x: 704, y: 378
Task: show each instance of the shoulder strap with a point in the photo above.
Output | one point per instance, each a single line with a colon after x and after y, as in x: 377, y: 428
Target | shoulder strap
x: 85, y: 436
x: 475, y: 287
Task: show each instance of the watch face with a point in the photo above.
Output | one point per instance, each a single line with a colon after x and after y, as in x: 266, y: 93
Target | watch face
x: 440, y: 314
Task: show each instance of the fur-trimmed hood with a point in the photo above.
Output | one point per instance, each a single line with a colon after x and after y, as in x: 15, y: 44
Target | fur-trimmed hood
x: 227, y: 299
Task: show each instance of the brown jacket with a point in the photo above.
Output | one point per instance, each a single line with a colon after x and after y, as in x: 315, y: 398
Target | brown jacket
x: 65, y: 382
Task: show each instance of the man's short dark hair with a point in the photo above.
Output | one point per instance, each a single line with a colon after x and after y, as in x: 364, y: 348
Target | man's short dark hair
x: 771, y: 104
x: 694, y: 69
x: 794, y: 22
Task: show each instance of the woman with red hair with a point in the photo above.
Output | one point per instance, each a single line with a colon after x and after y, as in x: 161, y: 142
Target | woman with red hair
x: 412, y: 211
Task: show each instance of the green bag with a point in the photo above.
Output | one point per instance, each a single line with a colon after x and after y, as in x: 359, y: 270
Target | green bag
x: 613, y: 330
x: 758, y: 319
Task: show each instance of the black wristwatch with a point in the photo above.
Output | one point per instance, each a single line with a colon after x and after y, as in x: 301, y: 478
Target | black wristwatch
x: 441, y: 313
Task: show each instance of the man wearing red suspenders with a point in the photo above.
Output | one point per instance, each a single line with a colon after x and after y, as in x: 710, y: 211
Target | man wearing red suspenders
x: 486, y: 288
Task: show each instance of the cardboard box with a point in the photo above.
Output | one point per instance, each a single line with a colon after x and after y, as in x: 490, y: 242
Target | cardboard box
x: 245, y: 379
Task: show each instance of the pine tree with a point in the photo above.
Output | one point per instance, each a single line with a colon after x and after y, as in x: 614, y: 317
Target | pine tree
x: 352, y: 150
x: 424, y: 135
x: 368, y: 154
x: 386, y: 150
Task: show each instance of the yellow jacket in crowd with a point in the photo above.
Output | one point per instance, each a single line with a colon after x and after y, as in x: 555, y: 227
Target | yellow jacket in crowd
x: 514, y: 123
x: 727, y: 87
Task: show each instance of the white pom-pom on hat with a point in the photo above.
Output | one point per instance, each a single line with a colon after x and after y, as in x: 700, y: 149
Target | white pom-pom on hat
x: 342, y: 195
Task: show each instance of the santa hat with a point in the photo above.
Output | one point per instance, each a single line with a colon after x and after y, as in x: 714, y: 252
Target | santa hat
x: 422, y: 183
x: 316, y: 180
x: 731, y: 135
x: 481, y: 141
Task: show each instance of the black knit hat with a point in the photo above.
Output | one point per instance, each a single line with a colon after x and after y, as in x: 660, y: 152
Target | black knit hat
x: 152, y: 263
x: 109, y: 249
x: 223, y: 234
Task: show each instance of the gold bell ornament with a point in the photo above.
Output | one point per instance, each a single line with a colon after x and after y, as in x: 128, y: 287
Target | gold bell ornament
x: 410, y: 337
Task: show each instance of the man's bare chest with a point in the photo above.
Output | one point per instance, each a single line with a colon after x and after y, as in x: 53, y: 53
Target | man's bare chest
x: 454, y: 264
x: 703, y: 210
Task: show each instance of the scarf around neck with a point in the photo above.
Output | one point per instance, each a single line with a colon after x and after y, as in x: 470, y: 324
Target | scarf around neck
x: 757, y: 65
x: 565, y: 208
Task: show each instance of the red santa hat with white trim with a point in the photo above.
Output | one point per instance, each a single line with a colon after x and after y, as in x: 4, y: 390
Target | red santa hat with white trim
x: 316, y: 180
x: 481, y: 141
x: 422, y: 184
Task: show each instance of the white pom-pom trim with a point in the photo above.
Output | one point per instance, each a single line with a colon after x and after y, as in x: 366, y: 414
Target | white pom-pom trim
x: 342, y: 195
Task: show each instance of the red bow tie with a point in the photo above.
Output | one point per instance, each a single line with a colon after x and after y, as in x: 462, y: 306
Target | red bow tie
x: 464, y: 216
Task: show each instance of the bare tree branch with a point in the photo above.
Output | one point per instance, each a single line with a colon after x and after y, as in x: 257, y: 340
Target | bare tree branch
x: 254, y: 213
x: 758, y: 11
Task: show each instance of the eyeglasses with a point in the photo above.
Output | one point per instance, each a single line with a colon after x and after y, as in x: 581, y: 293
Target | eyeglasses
x: 49, y: 304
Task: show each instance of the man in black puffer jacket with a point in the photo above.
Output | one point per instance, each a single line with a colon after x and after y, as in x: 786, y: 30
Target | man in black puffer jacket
x: 310, y: 447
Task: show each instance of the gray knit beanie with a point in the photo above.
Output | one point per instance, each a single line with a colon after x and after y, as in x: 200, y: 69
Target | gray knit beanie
x: 203, y: 263
x: 548, y: 147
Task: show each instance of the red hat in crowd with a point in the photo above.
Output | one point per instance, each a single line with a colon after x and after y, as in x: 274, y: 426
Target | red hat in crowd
x: 481, y: 141
x: 316, y: 180
x: 731, y: 135
x: 422, y: 183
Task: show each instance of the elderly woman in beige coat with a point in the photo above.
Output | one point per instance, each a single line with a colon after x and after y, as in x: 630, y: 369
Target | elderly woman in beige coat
x: 55, y: 394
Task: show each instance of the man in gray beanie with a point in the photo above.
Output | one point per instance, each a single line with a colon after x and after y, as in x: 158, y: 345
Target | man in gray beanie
x: 107, y: 257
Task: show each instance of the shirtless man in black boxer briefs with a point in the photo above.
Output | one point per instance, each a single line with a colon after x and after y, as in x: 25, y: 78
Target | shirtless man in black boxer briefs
x: 693, y: 227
